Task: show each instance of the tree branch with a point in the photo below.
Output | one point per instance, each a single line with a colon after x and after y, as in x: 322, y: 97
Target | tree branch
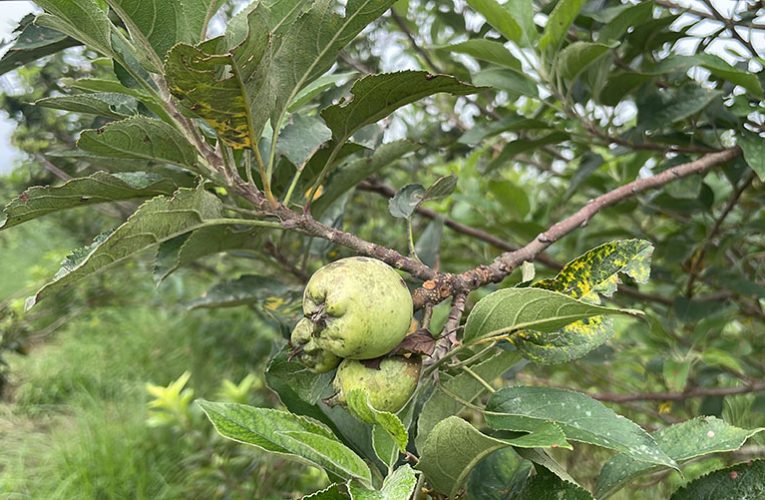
x: 446, y: 285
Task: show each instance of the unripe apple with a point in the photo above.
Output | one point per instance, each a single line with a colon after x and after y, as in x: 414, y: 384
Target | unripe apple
x: 360, y: 308
x: 311, y: 355
x: 389, y: 387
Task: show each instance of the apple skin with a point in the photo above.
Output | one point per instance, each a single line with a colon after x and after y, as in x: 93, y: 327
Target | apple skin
x: 361, y: 308
x: 311, y: 355
x: 389, y: 387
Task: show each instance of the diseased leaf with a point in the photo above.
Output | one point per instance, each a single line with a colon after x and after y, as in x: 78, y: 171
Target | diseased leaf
x: 376, y: 96
x: 283, y: 432
x: 515, y: 309
x: 742, y: 481
x: 569, y: 343
x: 681, y: 442
x: 100, y: 187
x: 581, y: 418
x: 140, y: 138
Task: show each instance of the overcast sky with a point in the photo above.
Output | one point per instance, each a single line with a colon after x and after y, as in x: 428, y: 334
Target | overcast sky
x: 11, y: 11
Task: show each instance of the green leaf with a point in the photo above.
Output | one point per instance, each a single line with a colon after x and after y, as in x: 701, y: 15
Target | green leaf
x: 399, y: 485
x: 742, y: 481
x: 359, y: 406
x: 455, y: 447
x: 510, y: 123
x: 716, y: 65
x: 500, y: 476
x: 578, y: 56
x: 544, y: 485
x: 100, y: 187
x: 246, y: 289
x: 558, y: 22
x: 140, y: 138
x: 83, y: 20
x: 300, y: 139
x: 675, y: 372
x: 348, y: 176
x: 32, y: 43
x: 581, y: 418
x: 376, y: 96
x: 514, y: 148
x: 485, y: 50
x: 110, y: 105
x: 668, y: 107
x: 441, y: 188
x: 597, y: 271
x: 514, y: 309
x: 158, y: 220
x: 516, y: 83
x: 283, y: 432
x: 499, y: 18
x: 681, y: 442
x: 406, y: 200
x: 633, y: 15
x: 441, y: 404
x: 753, y: 147
x: 333, y: 492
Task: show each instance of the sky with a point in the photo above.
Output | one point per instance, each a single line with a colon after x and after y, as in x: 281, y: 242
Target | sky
x: 11, y: 11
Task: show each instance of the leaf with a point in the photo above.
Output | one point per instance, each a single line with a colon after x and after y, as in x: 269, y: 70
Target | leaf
x: 569, y: 343
x: 513, y: 82
x: 110, y: 105
x: 83, y: 20
x: 597, y: 271
x: 359, y: 406
x: 558, y: 22
x: 681, y: 442
x: 633, y: 15
x: 672, y: 106
x: 376, y: 96
x: 441, y: 404
x: 500, y: 476
x: 742, y: 481
x: 32, y: 43
x: 576, y: 57
x: 302, y: 138
x: 100, y: 187
x: 246, y: 289
x: 405, y: 202
x: 581, y: 418
x: 753, y: 147
x: 441, y: 188
x: 399, y: 485
x: 499, y: 18
x: 509, y: 123
x: 140, y: 138
x: 514, y: 309
x: 485, y: 50
x: 348, y: 176
x: 544, y: 485
x: 514, y: 148
x: 428, y: 245
x: 163, y: 24
x: 455, y: 447
x: 156, y: 221
x: 283, y: 432
x: 716, y: 65
x: 333, y: 492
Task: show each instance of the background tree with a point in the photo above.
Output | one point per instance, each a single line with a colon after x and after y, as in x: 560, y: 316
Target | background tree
x: 601, y: 129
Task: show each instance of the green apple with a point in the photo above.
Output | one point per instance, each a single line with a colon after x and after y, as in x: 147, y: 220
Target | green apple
x: 311, y: 355
x: 360, y: 308
x: 389, y: 387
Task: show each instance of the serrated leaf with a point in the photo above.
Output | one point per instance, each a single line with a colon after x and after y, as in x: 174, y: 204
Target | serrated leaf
x: 684, y: 441
x: 515, y: 309
x: 558, y: 22
x: 597, y: 270
x: 581, y: 418
x: 376, y: 96
x: 110, y: 105
x: 32, y: 43
x: 348, y: 176
x: 485, y: 50
x: 569, y: 343
x: 83, y: 20
x: 576, y: 57
x: 158, y: 220
x: 283, y: 432
x: 246, y: 289
x: 741, y: 482
x: 397, y: 486
x: 499, y: 18
x: 455, y: 447
x: 140, y: 138
x: 359, y: 406
x: 406, y: 200
x: 753, y: 147
x: 333, y: 492
x: 441, y: 404
x: 100, y: 187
